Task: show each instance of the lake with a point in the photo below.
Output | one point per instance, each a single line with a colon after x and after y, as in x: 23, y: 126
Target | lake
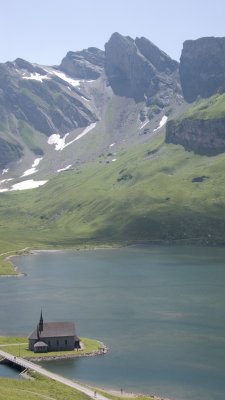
x: 161, y: 310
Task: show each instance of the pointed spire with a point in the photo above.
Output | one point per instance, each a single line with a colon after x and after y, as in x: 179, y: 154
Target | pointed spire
x: 41, y: 322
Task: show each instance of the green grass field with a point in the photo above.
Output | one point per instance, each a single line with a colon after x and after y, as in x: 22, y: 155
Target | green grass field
x: 212, y: 108
x: 38, y: 388
x: 147, y: 195
x: 43, y: 388
x: 18, y: 346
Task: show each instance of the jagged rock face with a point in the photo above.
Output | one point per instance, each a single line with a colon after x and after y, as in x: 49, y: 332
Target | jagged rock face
x: 138, y: 69
x: 47, y: 104
x: 202, y: 136
x: 202, y: 67
x: 85, y: 64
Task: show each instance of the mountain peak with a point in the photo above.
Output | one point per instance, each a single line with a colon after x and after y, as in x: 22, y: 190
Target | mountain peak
x: 84, y: 64
x: 135, y: 67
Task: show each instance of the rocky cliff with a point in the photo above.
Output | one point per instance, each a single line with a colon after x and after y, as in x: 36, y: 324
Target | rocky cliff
x: 202, y: 67
x: 138, y: 69
x: 45, y: 99
x: 202, y: 136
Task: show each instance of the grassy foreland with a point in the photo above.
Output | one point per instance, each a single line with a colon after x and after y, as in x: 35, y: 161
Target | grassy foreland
x: 18, y: 346
x: 146, y: 195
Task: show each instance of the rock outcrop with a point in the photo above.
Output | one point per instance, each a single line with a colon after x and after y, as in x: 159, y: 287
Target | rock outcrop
x: 202, y: 67
x: 85, y: 64
x: 10, y: 152
x: 138, y: 69
x: 202, y: 136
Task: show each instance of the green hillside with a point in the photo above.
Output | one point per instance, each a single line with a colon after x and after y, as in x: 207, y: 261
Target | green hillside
x: 146, y: 195
x: 211, y: 108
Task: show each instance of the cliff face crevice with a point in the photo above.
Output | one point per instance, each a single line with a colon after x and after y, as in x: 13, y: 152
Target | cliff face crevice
x: 206, y: 137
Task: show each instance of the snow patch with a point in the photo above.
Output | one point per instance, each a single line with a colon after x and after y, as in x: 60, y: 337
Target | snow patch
x: 65, y: 168
x: 162, y: 122
x: 57, y: 141
x: 33, y: 169
x: 85, y: 98
x: 144, y: 124
x: 3, y: 190
x: 60, y: 142
x: 36, y: 77
x: 61, y: 75
x: 29, y: 184
x: 112, y: 144
x: 6, y: 180
x: 5, y: 171
x: 85, y: 131
x: 114, y: 159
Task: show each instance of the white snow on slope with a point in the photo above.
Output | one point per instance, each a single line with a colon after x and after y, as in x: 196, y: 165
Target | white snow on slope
x: 33, y: 169
x: 5, y: 171
x: 60, y: 142
x: 112, y: 144
x: 143, y: 125
x: 85, y: 98
x: 36, y: 77
x: 3, y: 190
x: 61, y: 75
x: 64, y: 77
x: 6, y: 180
x: 85, y: 131
x: 65, y: 168
x: 162, y: 122
x: 29, y: 184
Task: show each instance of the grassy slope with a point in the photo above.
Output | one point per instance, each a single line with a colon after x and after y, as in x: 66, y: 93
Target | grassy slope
x: 40, y: 388
x: 44, y: 388
x: 90, y: 206
x: 212, y: 108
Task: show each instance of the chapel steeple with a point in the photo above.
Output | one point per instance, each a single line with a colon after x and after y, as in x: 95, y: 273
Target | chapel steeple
x: 41, y: 322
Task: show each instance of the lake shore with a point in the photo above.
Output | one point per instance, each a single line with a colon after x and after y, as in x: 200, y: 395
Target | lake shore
x: 88, y: 247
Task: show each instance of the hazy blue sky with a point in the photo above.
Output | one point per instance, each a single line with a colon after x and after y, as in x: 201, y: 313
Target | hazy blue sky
x: 43, y: 31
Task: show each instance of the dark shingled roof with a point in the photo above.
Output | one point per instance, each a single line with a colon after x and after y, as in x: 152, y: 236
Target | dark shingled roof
x: 55, y: 329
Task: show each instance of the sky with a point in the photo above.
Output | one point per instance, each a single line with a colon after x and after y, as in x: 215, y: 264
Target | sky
x: 43, y: 31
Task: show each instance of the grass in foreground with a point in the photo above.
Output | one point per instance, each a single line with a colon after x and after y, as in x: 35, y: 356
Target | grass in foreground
x: 41, y: 387
x: 38, y: 388
x: 18, y: 346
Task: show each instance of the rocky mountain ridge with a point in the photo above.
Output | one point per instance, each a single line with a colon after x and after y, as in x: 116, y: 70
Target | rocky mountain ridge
x: 123, y: 95
x: 46, y: 106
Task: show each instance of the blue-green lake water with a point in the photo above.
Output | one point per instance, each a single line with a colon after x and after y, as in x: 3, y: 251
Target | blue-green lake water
x: 161, y: 311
